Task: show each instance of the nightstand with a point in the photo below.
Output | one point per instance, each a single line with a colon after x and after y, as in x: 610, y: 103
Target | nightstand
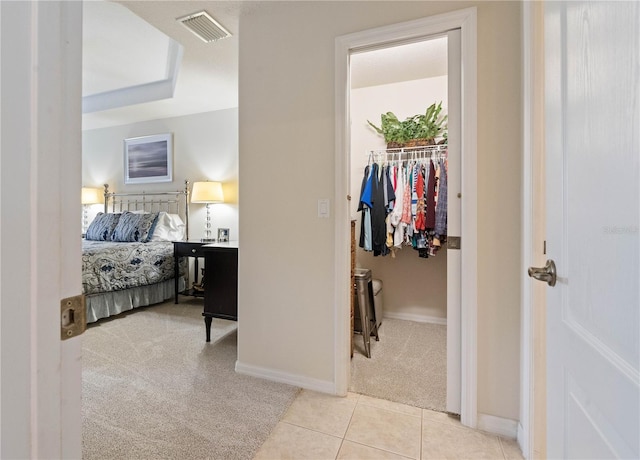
x: 221, y: 283
x: 187, y: 249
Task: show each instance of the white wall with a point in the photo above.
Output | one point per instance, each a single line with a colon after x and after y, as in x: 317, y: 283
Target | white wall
x: 287, y: 138
x: 205, y: 147
x: 411, y: 285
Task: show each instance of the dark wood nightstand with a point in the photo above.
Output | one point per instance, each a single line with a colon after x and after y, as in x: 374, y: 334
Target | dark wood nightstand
x: 187, y: 249
x: 221, y: 283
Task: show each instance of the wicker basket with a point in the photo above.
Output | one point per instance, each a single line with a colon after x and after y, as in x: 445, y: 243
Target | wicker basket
x: 411, y: 143
x: 421, y: 142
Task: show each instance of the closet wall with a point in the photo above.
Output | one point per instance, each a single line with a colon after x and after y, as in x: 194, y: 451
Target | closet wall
x: 414, y: 288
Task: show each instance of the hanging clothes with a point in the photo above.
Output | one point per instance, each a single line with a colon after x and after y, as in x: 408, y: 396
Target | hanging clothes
x: 404, y: 202
x: 430, y: 204
x: 374, y: 204
x: 390, y: 202
x: 420, y: 219
x: 395, y: 219
x: 440, y: 228
x: 380, y: 199
x: 364, y: 205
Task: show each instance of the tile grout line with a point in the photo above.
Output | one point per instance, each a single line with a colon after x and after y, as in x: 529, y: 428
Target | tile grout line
x: 421, y: 431
x: 392, y: 411
x: 364, y: 403
x: 381, y: 450
x: 310, y: 429
x: 339, y: 449
x: 348, y: 425
x: 504, y: 455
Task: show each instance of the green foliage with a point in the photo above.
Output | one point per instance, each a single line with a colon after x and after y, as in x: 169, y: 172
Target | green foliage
x: 427, y: 126
x: 431, y: 124
x: 392, y: 129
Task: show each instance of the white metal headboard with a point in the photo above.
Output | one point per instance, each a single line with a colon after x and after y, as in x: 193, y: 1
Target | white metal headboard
x: 174, y: 202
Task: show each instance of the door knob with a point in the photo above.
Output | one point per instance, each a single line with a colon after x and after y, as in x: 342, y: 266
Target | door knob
x: 546, y: 273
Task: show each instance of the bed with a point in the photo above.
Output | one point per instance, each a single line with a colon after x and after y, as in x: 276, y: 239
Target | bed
x: 127, y: 252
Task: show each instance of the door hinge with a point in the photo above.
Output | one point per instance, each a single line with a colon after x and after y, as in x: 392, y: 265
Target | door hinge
x: 73, y: 316
x: 544, y: 247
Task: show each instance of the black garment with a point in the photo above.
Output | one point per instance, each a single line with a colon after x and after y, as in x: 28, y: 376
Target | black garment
x: 378, y: 214
x: 382, y: 194
x: 430, y: 203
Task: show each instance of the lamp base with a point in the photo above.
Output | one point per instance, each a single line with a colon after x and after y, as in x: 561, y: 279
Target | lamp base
x: 207, y: 240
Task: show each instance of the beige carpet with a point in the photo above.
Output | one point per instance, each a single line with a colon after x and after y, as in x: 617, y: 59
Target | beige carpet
x: 408, y: 365
x: 154, y: 389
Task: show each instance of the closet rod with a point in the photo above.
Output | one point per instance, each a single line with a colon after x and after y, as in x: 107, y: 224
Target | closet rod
x: 410, y: 150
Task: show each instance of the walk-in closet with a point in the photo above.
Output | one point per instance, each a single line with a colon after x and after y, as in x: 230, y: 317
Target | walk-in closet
x: 407, y: 361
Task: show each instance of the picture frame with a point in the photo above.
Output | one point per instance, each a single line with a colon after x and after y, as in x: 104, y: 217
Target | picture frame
x: 148, y: 159
x: 223, y: 235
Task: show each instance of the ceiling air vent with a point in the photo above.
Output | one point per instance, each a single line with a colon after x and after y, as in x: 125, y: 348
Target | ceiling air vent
x: 204, y: 26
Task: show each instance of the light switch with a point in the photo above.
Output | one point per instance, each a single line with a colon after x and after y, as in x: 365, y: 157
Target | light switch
x: 323, y: 208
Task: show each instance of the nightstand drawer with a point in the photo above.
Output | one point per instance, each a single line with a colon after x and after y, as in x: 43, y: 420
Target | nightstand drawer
x: 188, y: 248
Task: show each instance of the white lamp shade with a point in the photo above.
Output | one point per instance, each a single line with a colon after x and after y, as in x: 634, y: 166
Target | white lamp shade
x: 207, y: 192
x: 91, y: 195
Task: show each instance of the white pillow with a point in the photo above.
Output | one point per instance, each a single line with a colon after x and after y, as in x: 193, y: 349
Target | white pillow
x: 168, y: 228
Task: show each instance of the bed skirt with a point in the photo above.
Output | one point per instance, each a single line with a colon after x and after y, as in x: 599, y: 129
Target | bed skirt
x: 112, y: 303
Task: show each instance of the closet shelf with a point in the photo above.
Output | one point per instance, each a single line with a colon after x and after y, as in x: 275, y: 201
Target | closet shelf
x: 425, y: 151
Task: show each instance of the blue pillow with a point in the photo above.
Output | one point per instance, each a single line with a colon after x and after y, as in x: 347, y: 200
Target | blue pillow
x: 102, y: 227
x: 134, y: 227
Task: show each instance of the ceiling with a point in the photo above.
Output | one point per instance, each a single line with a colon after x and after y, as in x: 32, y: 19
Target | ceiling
x: 134, y: 70
x: 118, y: 52
x: 405, y: 62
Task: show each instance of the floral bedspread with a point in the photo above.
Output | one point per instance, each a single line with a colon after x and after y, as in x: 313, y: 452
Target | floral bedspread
x: 109, y: 266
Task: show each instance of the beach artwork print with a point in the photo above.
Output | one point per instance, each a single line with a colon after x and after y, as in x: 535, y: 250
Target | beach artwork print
x: 148, y: 159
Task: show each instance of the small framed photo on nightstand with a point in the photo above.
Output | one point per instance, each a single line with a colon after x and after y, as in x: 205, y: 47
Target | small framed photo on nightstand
x: 223, y: 235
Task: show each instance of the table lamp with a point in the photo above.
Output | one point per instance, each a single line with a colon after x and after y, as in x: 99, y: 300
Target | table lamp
x: 207, y: 193
x: 89, y: 196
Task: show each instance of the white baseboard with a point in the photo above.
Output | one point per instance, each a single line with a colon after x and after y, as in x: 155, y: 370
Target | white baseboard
x: 523, y: 442
x: 504, y: 427
x: 415, y: 317
x: 322, y: 386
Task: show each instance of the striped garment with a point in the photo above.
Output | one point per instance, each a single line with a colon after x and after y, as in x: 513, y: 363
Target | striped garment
x: 440, y: 228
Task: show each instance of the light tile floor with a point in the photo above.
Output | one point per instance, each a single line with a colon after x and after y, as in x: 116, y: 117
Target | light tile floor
x: 319, y: 426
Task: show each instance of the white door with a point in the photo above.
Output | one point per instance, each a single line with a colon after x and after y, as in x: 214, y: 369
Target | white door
x: 40, y: 170
x: 592, y: 91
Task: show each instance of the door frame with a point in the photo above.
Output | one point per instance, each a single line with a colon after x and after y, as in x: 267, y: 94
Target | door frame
x: 532, y: 426
x: 466, y: 21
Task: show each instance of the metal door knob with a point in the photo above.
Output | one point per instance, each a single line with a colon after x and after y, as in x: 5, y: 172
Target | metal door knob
x: 546, y: 273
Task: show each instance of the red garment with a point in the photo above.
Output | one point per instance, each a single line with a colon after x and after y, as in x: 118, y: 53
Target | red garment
x: 420, y: 208
x: 420, y: 185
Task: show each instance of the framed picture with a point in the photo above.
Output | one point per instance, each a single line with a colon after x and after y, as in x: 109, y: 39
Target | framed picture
x: 148, y: 159
x: 223, y: 235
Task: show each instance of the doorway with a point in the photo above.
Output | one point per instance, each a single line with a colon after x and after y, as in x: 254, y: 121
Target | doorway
x: 409, y: 363
x: 414, y: 31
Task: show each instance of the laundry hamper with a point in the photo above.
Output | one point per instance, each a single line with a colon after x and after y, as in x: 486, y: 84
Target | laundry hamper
x: 378, y: 303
